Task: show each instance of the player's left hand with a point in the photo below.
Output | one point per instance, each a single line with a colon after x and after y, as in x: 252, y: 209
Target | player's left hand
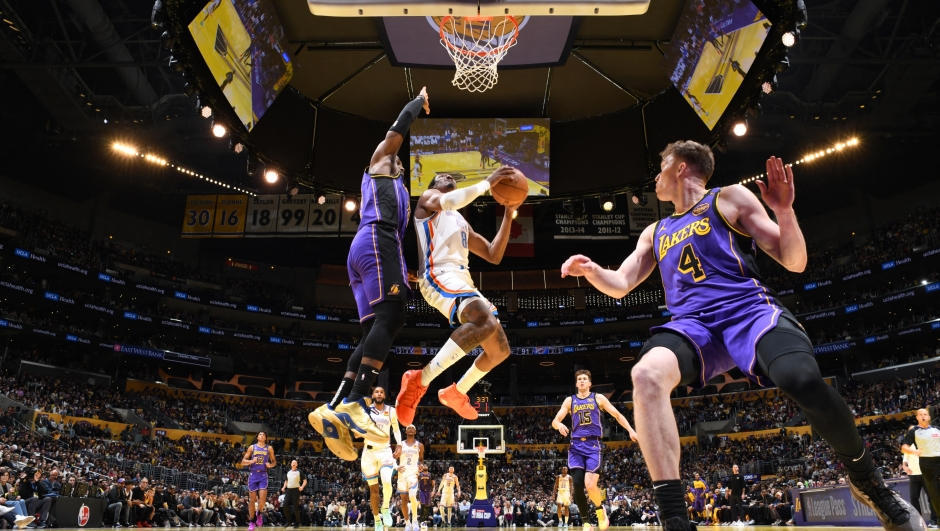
x: 632, y: 435
x: 778, y: 192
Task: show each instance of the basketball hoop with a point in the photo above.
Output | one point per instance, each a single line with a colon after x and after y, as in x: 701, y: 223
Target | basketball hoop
x: 481, y: 451
x: 477, y: 45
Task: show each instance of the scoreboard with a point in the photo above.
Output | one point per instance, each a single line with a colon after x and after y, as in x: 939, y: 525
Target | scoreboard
x: 267, y: 216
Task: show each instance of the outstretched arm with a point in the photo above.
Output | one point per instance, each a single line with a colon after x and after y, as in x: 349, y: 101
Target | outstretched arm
x: 560, y: 416
x: 387, y: 150
x: 605, y: 405
x: 493, y: 251
x: 434, y: 200
x: 617, y: 284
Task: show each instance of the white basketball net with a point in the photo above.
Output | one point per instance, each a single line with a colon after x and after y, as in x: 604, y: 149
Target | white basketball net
x: 477, y: 45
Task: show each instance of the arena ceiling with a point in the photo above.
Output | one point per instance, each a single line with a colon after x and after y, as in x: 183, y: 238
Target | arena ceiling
x: 867, y: 68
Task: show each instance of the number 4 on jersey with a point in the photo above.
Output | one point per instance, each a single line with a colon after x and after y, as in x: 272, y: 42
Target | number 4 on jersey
x: 690, y: 264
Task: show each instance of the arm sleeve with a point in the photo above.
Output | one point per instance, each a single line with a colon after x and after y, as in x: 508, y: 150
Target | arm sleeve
x: 909, y: 437
x: 407, y: 116
x: 395, y: 428
x: 457, y: 199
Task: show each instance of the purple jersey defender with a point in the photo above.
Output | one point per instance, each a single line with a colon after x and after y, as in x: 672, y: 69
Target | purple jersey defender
x: 376, y: 264
x: 586, y: 432
x: 713, y: 289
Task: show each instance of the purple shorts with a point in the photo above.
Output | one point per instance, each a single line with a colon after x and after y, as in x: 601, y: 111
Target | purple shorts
x: 376, y: 268
x: 585, y: 453
x: 424, y: 497
x: 257, y: 481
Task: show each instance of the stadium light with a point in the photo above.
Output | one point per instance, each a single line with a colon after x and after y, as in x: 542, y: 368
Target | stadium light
x: 789, y: 38
x: 218, y: 130
x: 350, y: 204
x: 321, y: 199
x: 740, y: 128
x: 206, y: 111
x: 638, y: 198
x: 270, y: 176
x: 124, y: 148
x: 608, y: 203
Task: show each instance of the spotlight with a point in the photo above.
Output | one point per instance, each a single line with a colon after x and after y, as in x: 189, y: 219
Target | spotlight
x: 270, y: 175
x: 574, y: 206
x: 292, y: 189
x: 638, y: 198
x: 124, y: 148
x: 769, y: 86
x: 789, y: 38
x: 206, y: 111
x: 321, y: 199
x: 218, y: 129
x: 608, y: 203
x: 350, y: 204
x: 236, y: 147
x: 740, y: 128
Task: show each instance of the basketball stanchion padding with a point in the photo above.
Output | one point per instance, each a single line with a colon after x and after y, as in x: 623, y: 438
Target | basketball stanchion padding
x: 511, y: 191
x: 477, y: 45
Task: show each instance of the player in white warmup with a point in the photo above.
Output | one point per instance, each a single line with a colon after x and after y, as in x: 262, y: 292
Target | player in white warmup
x: 562, y: 496
x: 378, y: 461
x: 445, y: 241
x: 410, y: 459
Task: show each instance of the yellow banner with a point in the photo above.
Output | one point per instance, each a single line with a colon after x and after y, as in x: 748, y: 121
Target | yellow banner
x: 199, y: 216
x: 230, y: 216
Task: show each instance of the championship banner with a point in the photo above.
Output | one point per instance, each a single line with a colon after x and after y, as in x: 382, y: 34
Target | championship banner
x: 198, y: 216
x: 230, y: 216
x: 642, y: 216
x: 595, y: 224
x: 521, y: 233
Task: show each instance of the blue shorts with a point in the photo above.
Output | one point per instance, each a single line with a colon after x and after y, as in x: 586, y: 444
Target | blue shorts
x: 257, y: 481
x: 585, y: 453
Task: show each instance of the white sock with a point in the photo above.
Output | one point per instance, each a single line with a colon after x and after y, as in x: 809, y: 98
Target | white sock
x: 448, y: 356
x: 472, y: 376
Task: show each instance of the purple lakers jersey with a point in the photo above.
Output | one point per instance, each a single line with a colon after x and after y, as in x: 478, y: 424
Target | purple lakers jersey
x: 585, y: 417
x: 262, y: 453
x: 385, y: 201
x: 708, y: 268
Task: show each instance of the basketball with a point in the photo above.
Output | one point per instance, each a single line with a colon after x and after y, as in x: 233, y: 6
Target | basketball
x: 511, y: 191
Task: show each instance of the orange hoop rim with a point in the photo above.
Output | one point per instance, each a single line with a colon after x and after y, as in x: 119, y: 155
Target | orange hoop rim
x: 498, y: 49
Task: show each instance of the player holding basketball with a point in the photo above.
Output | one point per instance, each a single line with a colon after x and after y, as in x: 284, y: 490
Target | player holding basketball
x: 378, y: 460
x: 379, y: 281
x: 258, y: 458
x: 445, y: 241
x: 724, y: 316
x: 446, y: 490
x: 562, y: 496
x: 410, y: 460
x: 584, y: 454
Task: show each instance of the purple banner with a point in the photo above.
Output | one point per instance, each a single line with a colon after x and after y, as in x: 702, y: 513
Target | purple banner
x: 835, y: 506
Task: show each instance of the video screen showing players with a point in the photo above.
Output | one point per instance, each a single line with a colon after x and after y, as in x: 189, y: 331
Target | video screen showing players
x: 712, y: 50
x: 243, y: 43
x: 470, y: 149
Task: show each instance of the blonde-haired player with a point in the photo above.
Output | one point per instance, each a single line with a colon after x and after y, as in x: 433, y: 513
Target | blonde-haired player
x: 562, y: 496
x: 446, y: 490
x: 379, y: 460
x: 410, y: 460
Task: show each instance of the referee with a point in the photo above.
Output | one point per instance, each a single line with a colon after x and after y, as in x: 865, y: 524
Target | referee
x: 736, y: 489
x: 927, y: 438
x: 292, y: 494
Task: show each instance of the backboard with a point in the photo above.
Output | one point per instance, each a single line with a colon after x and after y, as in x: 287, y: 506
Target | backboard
x: 470, y: 437
x: 486, y: 8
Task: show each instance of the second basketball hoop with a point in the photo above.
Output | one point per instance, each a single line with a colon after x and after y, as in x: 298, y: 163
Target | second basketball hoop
x: 477, y: 45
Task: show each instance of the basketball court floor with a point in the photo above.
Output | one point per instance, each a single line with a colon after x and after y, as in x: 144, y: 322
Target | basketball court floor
x: 614, y: 528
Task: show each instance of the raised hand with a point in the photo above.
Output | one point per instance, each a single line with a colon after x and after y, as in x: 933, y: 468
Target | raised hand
x: 504, y: 172
x: 578, y: 266
x: 427, y: 103
x: 778, y: 192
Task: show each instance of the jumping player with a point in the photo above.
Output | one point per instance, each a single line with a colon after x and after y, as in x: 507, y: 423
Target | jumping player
x: 410, y: 459
x: 426, y: 489
x: 446, y: 490
x: 379, y: 460
x: 379, y: 281
x: 724, y: 316
x: 584, y: 454
x: 258, y: 458
x: 445, y: 241
x: 562, y: 496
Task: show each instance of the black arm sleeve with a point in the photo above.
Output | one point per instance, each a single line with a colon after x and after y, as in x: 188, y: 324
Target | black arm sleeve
x: 407, y: 116
x: 909, y: 437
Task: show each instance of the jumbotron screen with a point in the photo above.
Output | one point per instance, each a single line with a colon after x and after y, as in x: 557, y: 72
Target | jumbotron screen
x: 243, y: 44
x: 712, y: 50
x: 470, y: 149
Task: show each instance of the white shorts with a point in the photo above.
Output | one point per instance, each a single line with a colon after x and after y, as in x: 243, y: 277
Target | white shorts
x: 374, y: 460
x: 407, y: 481
x: 447, y: 499
x: 450, y: 291
x: 563, y: 499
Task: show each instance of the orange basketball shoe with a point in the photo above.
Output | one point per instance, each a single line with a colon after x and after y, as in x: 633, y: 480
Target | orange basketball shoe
x: 409, y: 397
x: 459, y: 402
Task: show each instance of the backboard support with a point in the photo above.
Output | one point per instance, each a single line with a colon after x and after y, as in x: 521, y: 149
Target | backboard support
x: 471, y: 437
x: 470, y: 8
